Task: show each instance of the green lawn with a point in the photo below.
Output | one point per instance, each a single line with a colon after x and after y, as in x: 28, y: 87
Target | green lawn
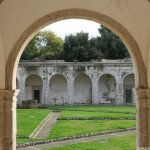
x: 116, y: 143
x: 71, y: 114
x: 123, y: 109
x: 29, y: 119
x: 65, y: 128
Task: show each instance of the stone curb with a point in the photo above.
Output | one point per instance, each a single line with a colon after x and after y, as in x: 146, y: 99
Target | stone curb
x: 25, y: 137
x: 95, y: 118
x: 72, y: 137
x: 95, y: 111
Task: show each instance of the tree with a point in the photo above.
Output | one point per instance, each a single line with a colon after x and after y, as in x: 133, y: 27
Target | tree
x: 111, y: 45
x: 79, y: 48
x: 31, y: 51
x: 45, y: 45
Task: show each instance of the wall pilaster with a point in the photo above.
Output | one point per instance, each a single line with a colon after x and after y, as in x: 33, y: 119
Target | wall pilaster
x: 148, y: 115
x: 10, y: 120
x: 119, y: 90
x: 21, y: 96
x: 95, y: 97
x: 71, y: 89
x: 46, y: 91
x: 142, y: 121
x: 2, y: 96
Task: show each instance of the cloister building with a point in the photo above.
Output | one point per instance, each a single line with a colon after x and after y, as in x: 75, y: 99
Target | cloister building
x: 20, y: 20
x: 60, y: 83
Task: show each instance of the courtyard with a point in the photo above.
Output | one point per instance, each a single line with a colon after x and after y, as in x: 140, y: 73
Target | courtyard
x: 78, y: 122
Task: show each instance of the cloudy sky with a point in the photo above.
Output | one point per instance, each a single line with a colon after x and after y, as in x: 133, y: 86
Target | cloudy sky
x: 65, y: 27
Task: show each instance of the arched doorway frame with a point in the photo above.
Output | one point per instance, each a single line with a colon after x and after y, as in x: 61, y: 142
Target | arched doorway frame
x: 113, y: 25
x: 123, y: 80
x: 40, y: 87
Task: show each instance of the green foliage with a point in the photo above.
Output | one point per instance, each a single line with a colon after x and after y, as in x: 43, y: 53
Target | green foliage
x: 45, y: 45
x: 79, y: 48
x: 111, y: 45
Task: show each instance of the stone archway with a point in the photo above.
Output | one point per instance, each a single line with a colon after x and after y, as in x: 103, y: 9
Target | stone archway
x: 141, y: 72
x: 58, y: 90
x: 120, y: 30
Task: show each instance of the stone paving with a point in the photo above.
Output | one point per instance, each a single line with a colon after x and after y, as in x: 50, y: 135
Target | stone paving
x: 75, y: 141
x: 46, y: 127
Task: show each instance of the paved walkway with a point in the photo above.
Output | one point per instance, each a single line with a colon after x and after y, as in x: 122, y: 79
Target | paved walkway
x: 48, y: 124
x: 74, y: 141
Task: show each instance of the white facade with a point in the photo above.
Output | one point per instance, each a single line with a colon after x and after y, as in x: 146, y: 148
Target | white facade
x: 60, y: 83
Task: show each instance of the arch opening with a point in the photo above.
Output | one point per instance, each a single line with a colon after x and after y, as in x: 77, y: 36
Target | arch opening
x: 107, y: 89
x: 33, y: 88
x: 128, y: 85
x: 82, y: 90
x: 58, y: 90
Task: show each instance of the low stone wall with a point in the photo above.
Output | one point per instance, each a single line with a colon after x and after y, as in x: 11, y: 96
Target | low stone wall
x: 29, y: 104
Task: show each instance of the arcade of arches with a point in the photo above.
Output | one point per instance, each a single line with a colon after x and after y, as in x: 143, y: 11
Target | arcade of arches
x: 63, y: 83
x: 19, y: 22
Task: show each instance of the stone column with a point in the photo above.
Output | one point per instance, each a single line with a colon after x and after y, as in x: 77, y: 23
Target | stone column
x: 148, y: 115
x: 95, y: 97
x: 10, y: 120
x: 119, y: 90
x: 2, y: 95
x: 142, y: 118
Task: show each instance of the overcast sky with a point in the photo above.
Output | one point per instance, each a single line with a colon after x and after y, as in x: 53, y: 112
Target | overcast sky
x: 65, y: 27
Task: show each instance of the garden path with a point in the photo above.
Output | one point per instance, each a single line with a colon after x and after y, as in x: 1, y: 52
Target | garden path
x: 47, y: 125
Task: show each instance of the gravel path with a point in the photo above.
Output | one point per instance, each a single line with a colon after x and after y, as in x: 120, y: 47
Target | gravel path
x: 48, y: 124
x: 74, y: 141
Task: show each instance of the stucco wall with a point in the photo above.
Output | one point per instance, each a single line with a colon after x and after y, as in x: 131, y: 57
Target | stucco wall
x: 58, y: 90
x: 82, y: 90
x: 74, y: 83
x: 107, y: 88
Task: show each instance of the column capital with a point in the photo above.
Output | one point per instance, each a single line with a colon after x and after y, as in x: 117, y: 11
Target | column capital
x: 11, y: 95
x: 141, y: 93
x: 2, y: 94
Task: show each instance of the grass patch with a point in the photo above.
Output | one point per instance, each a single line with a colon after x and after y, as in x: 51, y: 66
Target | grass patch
x: 123, y: 109
x: 71, y: 114
x: 116, y: 143
x: 77, y: 127
x: 29, y: 119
